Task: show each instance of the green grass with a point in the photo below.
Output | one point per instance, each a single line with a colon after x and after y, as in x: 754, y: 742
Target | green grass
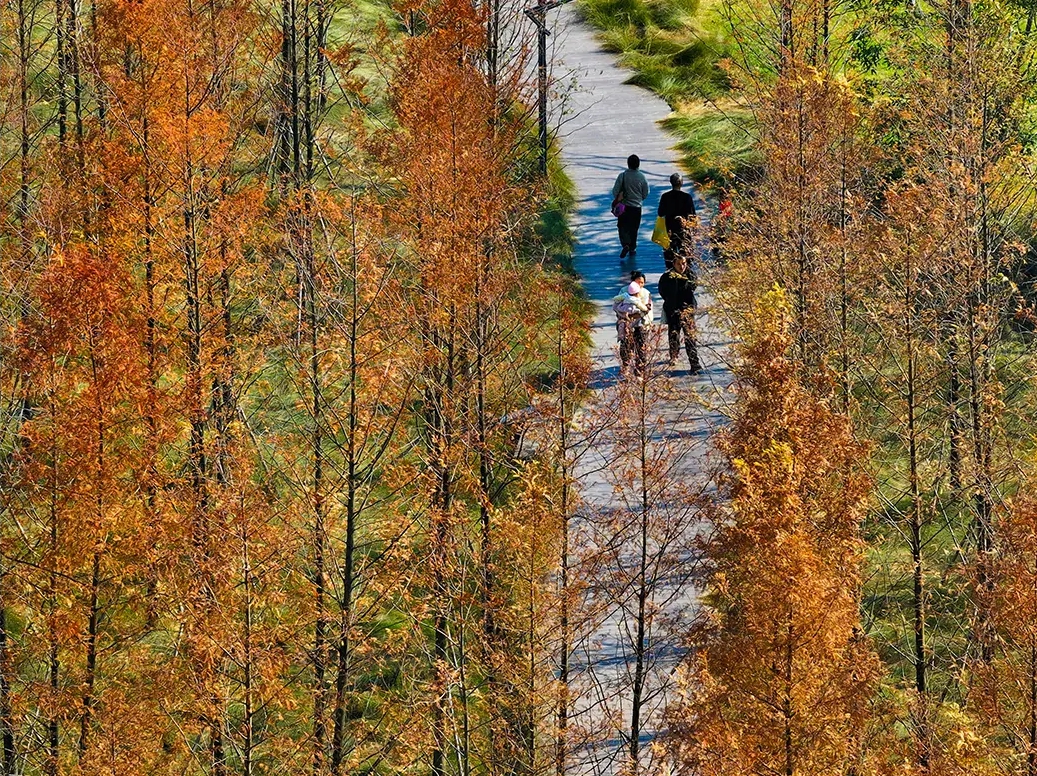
x: 663, y: 41
x: 715, y: 142
x: 888, y: 595
x: 675, y: 48
x: 554, y: 230
x: 357, y: 25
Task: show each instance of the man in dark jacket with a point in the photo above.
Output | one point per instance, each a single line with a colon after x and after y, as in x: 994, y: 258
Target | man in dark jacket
x: 677, y: 288
x: 678, y: 208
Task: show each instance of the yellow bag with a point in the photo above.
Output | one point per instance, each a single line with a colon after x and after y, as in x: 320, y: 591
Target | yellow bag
x: 659, y: 235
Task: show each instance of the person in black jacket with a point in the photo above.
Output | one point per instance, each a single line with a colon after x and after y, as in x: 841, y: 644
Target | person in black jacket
x: 677, y: 288
x: 678, y: 208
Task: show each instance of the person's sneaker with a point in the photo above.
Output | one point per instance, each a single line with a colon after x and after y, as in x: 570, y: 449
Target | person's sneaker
x: 623, y: 255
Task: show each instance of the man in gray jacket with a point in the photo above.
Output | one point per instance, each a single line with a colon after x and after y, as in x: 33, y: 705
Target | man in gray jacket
x: 631, y: 189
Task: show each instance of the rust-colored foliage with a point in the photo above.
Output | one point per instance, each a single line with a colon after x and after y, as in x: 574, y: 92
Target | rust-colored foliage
x: 1005, y: 690
x: 781, y: 676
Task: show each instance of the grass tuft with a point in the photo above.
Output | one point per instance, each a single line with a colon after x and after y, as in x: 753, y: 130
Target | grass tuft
x: 674, y: 48
x: 715, y: 143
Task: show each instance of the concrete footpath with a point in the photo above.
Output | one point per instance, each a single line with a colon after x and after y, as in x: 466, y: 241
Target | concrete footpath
x: 602, y: 121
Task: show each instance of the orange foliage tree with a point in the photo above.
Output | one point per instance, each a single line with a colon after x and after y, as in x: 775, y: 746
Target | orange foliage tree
x: 222, y: 551
x: 461, y: 219
x: 781, y: 678
x: 1005, y: 690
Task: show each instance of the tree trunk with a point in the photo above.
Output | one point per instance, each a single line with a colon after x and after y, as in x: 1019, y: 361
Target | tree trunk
x: 320, y: 637
x: 53, y: 664
x: 562, y: 712
x: 641, y: 638
x: 248, y: 723
x: 787, y: 711
x: 6, y: 722
x: 442, y: 447
x: 915, y: 518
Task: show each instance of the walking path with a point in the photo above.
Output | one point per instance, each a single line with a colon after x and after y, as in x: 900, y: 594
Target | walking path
x: 604, y: 121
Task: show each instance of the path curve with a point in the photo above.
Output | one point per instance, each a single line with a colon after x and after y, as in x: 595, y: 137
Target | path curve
x: 603, y: 120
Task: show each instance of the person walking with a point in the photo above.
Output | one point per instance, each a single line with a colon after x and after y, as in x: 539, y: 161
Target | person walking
x: 633, y: 309
x: 677, y: 288
x: 677, y: 207
x: 631, y: 189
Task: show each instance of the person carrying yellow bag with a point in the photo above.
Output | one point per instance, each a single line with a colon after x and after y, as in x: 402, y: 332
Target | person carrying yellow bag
x: 677, y: 208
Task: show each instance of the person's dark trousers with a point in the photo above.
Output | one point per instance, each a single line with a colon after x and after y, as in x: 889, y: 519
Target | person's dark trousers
x: 680, y: 322
x: 641, y: 351
x: 634, y: 346
x: 629, y: 224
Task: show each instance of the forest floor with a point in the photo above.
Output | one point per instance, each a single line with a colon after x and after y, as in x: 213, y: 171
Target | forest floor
x: 602, y: 121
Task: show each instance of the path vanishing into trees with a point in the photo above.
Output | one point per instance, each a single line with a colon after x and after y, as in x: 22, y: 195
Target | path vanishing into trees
x: 602, y: 122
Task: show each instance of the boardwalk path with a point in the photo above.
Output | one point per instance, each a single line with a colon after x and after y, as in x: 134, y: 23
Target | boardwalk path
x: 606, y: 120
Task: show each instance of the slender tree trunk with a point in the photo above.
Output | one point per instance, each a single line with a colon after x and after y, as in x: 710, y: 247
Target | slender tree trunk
x: 954, y: 380
x: 52, y: 765
x: 953, y: 398
x: 100, y: 95
x: 480, y: 327
x: 786, y: 42
x: 293, y: 73
x: 442, y: 427
x: 803, y: 265
x: 198, y: 463
x: 979, y: 376
x: 150, y: 347
x: 464, y: 759
x: 641, y: 638
x: 219, y: 756
x: 223, y: 414
x: 1031, y: 749
x: 196, y: 448
x: 826, y: 21
x: 981, y: 497
x: 787, y: 711
x: 308, y: 114
x: 6, y: 722
x: 562, y: 711
x: 915, y: 517
x: 319, y: 530
x: 287, y: 118
x: 61, y: 44
x: 531, y: 721
x: 75, y: 68
x: 7, y: 763
x: 321, y: 64
x: 844, y: 302
x: 95, y: 573
x: 89, y: 700
x: 352, y: 501
x: 248, y: 722
x: 24, y: 61
x: 440, y: 649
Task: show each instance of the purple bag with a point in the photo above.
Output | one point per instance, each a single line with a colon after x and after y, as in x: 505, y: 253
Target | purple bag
x: 617, y: 204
